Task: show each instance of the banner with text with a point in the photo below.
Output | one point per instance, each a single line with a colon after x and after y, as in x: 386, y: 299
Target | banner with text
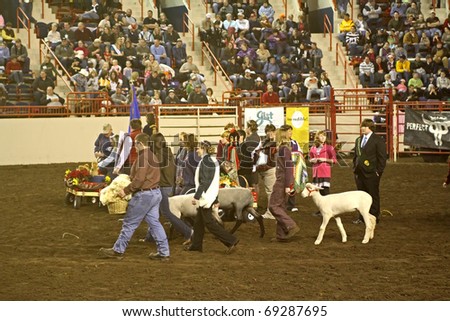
x: 427, y: 129
x: 298, y: 118
x: 265, y: 116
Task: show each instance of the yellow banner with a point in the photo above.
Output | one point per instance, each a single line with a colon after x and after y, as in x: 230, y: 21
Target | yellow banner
x: 298, y: 118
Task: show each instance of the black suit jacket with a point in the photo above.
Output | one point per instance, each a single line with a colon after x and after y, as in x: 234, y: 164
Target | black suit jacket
x: 371, y: 159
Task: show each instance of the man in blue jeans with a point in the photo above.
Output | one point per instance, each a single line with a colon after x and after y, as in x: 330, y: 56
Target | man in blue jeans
x: 144, y: 205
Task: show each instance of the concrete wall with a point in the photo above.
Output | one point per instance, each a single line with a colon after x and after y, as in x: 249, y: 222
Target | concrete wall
x: 317, y: 9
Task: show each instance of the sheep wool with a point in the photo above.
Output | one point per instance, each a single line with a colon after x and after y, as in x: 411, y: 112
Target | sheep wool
x: 110, y: 194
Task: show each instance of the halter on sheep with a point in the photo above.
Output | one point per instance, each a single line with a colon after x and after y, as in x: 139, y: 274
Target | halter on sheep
x: 335, y: 204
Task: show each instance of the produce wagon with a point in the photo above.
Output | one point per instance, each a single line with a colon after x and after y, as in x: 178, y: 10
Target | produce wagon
x: 76, y: 195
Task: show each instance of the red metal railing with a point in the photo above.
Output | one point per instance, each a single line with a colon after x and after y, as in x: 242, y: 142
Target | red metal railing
x: 188, y: 2
x: 24, y: 20
x: 46, y: 50
x: 328, y: 29
x: 188, y: 26
x: 205, y: 2
x: 141, y: 4
x: 42, y: 9
x: 349, y: 75
x: 285, y: 7
x: 216, y: 66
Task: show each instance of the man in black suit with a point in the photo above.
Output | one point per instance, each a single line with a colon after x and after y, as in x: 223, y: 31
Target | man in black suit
x: 368, y: 165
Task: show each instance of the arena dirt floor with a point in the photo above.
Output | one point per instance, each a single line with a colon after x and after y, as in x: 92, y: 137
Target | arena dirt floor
x: 407, y: 260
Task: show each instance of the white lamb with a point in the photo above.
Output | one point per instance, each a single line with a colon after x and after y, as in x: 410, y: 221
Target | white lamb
x: 182, y: 205
x: 335, y: 204
x: 110, y: 193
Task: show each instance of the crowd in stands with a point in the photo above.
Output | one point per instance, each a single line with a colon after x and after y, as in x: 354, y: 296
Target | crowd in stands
x: 395, y: 45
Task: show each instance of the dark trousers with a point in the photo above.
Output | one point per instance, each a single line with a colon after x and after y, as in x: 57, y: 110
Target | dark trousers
x: 277, y: 206
x: 204, y: 219
x: 370, y: 185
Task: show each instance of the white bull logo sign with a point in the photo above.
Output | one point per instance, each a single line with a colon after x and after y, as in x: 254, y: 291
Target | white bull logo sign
x: 438, y: 126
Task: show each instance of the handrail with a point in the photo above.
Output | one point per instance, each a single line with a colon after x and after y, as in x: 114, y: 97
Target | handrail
x: 217, y: 65
x: 285, y: 7
x: 189, y: 28
x: 27, y: 25
x: 42, y: 9
x: 188, y: 2
x: 328, y: 29
x: 65, y: 72
x: 340, y: 56
x: 141, y: 2
x: 205, y: 2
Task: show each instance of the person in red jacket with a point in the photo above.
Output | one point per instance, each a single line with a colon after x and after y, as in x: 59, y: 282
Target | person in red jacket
x: 14, y: 70
x: 270, y: 97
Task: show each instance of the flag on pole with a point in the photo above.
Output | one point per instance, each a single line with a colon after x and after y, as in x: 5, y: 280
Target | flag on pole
x: 134, y: 107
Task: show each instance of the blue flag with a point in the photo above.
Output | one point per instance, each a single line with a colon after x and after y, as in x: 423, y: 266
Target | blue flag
x: 134, y: 107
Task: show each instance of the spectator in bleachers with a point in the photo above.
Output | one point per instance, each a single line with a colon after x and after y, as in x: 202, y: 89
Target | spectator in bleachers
x: 396, y: 23
x: 81, y: 48
x: 179, y: 54
x: 366, y: 73
x: 345, y: 26
x: 424, y: 44
x: 117, y: 51
x: 163, y: 21
x: 159, y: 52
x: 212, y: 100
x: 118, y: 98
x: 260, y: 85
x: 146, y: 35
x: 316, y: 55
x: 245, y: 51
x: 262, y: 56
x: 107, y: 37
x: 295, y: 95
x: 242, y: 24
x: 234, y: 71
x: 412, y: 94
x: 150, y: 22
x: 270, y: 96
x: 92, y: 83
x: 128, y: 18
x: 416, y: 82
x: 267, y: 10
x: 151, y: 65
x: 51, y: 98
x: 226, y: 54
x: 225, y: 9
x: 49, y: 67
x: 431, y: 93
x: 142, y: 50
x: 439, y: 53
x: 325, y: 85
x: 8, y: 34
x: 133, y: 33
x: 170, y: 39
x: 266, y: 27
x: 271, y: 69
x: 342, y: 7
x: 80, y: 80
x: 372, y: 12
x: 352, y: 39
x: 197, y: 96
x: 4, y: 53
x: 251, y: 7
x: 280, y: 23
x: 247, y: 84
x: 205, y: 26
x: 91, y: 14
x: 172, y: 98
x: 446, y: 38
x: 114, y: 81
x: 384, y: 51
x: 411, y: 42
x: 443, y: 84
x: 128, y: 70
x: 95, y: 52
x: 103, y: 81
x: 391, y: 64
x: 229, y: 25
x: 105, y: 22
x: 21, y: 52
x: 294, y: 40
x: 156, y: 99
x: 53, y: 36
x: 247, y: 63
x: 40, y: 85
x: 399, y: 7
x: 278, y: 44
x: 301, y: 57
x: 129, y: 51
x: 64, y: 52
x: 403, y: 68
x: 14, y: 70
x: 153, y: 83
x: 27, y: 7
x: 82, y: 33
x: 380, y: 69
x: 413, y: 10
x: 284, y: 85
x: 215, y: 39
x: 187, y: 69
x: 312, y: 84
x: 433, y: 24
x: 400, y: 51
x: 393, y: 39
x: 68, y: 34
x: 2, y: 21
x: 286, y: 66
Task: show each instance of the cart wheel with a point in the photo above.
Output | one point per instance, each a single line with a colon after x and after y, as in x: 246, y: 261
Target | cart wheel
x: 94, y: 200
x: 69, y: 198
x: 77, y: 202
x: 249, y: 217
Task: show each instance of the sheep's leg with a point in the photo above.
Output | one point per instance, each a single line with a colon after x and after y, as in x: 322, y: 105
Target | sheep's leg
x: 368, y: 230
x: 341, y: 229
x: 326, y: 218
x: 373, y: 219
x: 258, y: 218
x: 236, y: 226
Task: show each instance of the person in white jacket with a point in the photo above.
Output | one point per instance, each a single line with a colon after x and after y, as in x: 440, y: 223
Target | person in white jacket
x: 207, y: 177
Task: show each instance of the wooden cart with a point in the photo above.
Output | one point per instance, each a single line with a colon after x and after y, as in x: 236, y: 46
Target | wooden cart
x: 75, y: 196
